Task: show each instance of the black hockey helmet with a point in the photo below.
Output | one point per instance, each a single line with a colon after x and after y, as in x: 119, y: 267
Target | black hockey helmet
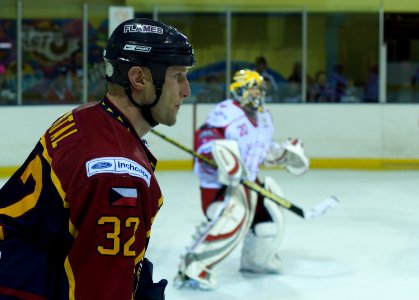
x: 149, y: 43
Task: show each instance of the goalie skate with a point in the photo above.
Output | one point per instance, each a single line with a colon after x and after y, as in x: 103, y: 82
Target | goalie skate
x: 206, y: 281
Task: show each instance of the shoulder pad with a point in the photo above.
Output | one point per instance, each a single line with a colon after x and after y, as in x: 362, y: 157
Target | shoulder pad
x: 225, y: 113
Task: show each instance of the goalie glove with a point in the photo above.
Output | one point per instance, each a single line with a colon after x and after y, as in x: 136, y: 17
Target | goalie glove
x: 275, y: 155
x: 297, y: 162
x: 231, y: 168
x: 290, y: 155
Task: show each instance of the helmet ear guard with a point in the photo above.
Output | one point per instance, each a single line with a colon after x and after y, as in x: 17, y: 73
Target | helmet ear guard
x: 244, y: 81
x: 148, y: 43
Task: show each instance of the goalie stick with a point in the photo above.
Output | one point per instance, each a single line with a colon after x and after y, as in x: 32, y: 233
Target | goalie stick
x: 317, y: 211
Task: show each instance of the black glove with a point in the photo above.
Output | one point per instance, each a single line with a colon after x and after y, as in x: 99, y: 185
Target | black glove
x: 147, y: 290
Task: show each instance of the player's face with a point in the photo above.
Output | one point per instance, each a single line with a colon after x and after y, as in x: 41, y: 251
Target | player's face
x: 254, y: 97
x: 175, y: 89
x: 255, y: 91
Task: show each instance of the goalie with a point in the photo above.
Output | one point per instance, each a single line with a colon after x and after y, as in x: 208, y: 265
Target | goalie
x: 238, y: 134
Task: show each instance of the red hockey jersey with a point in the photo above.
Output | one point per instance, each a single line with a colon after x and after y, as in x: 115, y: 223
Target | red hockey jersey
x: 75, y: 219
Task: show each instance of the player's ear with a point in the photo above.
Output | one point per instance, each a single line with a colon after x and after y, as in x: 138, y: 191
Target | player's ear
x: 137, y: 77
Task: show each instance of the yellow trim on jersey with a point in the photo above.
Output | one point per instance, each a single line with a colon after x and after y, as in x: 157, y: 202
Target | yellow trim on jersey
x: 68, y: 116
x: 58, y: 135
x: 55, y: 142
x: 33, y: 170
x: 70, y: 278
x: 160, y: 203
x: 72, y: 229
x: 55, y: 180
x: 1, y: 233
x: 139, y: 257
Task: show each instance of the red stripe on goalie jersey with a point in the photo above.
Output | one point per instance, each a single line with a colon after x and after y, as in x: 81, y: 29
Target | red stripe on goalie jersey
x: 104, y: 242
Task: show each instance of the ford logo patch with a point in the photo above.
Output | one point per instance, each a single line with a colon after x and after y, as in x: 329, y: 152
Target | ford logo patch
x: 101, y: 165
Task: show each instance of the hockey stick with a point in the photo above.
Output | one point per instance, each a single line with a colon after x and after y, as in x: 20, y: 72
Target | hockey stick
x: 317, y: 211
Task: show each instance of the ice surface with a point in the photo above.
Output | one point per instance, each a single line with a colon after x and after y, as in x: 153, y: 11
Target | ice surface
x: 366, y: 248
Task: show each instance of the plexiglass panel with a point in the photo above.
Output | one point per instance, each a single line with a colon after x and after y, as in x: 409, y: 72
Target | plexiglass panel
x: 8, y: 53
x: 401, y: 36
x: 51, y: 48
x: 270, y: 43
x: 207, y: 33
x: 343, y: 57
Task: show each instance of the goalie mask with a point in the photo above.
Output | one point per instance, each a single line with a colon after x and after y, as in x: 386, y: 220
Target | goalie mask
x: 148, y: 43
x: 248, y: 88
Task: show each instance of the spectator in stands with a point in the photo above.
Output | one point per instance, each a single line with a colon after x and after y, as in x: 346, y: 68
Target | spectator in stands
x: 415, y: 78
x: 261, y: 66
x: 212, y: 91
x: 295, y: 81
x: 7, y: 95
x: 59, y: 92
x: 338, y: 81
x: 296, y: 73
x: 371, y: 86
x: 321, y: 90
x: 75, y: 74
x: 350, y: 94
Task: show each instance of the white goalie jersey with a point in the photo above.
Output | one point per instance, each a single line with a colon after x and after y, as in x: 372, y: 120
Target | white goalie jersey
x: 228, y: 121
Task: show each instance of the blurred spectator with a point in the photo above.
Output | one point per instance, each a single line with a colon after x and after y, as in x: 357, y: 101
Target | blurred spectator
x: 271, y: 94
x: 7, y: 96
x: 261, y: 66
x: 350, y: 94
x: 59, y: 92
x: 212, y: 91
x: 338, y: 81
x: 75, y: 74
x: 415, y: 78
x: 296, y: 75
x: 371, y: 86
x: 321, y: 90
x: 295, y: 81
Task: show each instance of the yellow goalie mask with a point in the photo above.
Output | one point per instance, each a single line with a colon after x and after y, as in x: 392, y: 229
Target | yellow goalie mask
x: 248, y: 88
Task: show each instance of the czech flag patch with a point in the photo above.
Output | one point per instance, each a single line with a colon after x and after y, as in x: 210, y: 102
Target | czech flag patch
x: 122, y: 196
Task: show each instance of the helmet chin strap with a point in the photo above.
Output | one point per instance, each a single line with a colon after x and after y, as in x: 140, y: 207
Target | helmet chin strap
x: 145, y: 109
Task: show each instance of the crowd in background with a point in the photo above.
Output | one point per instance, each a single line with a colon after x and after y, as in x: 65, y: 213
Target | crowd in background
x: 324, y: 86
x: 63, y: 85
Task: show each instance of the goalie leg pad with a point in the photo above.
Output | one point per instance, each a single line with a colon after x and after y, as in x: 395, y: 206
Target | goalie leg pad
x: 260, y: 247
x: 216, y: 239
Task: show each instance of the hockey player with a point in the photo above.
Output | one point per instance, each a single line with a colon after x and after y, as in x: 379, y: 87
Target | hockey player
x: 75, y: 218
x: 237, y: 135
